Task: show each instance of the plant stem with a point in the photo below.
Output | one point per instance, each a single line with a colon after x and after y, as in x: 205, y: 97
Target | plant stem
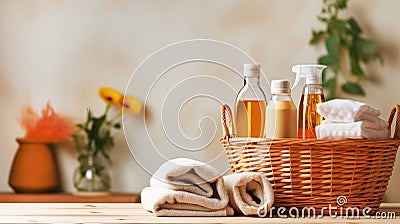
x: 117, y: 116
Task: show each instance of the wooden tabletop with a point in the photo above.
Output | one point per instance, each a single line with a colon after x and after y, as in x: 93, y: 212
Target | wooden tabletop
x: 134, y: 213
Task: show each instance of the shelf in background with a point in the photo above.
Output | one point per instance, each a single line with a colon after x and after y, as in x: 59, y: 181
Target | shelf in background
x: 69, y: 198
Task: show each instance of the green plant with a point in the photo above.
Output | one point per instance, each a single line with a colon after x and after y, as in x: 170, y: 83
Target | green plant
x: 347, y: 50
x: 94, y: 137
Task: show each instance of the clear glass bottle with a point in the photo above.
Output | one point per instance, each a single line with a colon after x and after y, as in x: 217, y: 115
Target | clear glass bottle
x: 250, y: 105
x: 281, y: 112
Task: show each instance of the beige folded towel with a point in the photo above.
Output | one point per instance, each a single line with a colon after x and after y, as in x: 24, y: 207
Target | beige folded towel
x: 249, y: 192
x: 186, y: 187
x: 186, y: 175
x: 168, y: 202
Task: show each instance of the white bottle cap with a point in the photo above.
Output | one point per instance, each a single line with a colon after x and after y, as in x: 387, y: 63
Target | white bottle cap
x: 281, y: 86
x: 251, y: 70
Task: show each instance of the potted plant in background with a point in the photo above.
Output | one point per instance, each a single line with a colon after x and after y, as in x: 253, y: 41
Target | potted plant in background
x: 347, y: 50
x: 34, y: 169
x: 94, y: 140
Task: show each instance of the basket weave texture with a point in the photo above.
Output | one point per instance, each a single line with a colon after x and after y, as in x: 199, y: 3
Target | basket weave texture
x: 317, y: 173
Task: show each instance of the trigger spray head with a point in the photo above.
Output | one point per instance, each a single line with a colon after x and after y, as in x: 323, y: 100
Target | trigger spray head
x: 312, y: 73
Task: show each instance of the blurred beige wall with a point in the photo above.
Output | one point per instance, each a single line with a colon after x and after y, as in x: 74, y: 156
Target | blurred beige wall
x: 63, y: 51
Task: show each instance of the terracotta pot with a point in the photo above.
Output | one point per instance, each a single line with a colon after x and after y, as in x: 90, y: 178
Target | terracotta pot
x: 34, y: 169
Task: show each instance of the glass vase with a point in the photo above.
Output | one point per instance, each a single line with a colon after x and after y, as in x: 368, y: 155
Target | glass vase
x: 92, y: 174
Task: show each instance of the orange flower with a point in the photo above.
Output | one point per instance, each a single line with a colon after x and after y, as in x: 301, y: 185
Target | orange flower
x: 130, y: 104
x: 110, y: 95
x: 49, y: 126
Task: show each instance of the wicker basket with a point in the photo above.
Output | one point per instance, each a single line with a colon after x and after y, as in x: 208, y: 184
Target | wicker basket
x: 317, y: 173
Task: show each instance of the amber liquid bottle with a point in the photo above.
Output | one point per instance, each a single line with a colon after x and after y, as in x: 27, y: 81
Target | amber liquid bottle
x: 308, y: 116
x: 250, y: 105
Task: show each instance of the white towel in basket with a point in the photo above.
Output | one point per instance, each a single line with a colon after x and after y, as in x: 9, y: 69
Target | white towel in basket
x: 356, y: 130
x: 346, y: 111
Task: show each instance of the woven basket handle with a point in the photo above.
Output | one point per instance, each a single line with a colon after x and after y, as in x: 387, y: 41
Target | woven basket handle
x: 227, y: 128
x: 395, y: 111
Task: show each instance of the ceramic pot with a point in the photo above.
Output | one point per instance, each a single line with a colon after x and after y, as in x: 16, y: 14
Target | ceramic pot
x: 34, y: 169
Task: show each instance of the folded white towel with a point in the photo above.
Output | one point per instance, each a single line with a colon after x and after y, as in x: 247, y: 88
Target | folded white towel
x: 343, y: 110
x: 167, y: 202
x: 356, y: 130
x: 186, y: 187
x: 249, y: 192
x: 368, y: 121
x: 186, y: 175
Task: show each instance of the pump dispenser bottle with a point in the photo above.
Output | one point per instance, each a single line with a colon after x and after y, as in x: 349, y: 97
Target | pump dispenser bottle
x: 250, y: 105
x: 313, y: 93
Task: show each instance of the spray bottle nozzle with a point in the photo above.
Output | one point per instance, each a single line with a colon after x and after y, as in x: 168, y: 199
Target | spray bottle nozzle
x: 312, y: 73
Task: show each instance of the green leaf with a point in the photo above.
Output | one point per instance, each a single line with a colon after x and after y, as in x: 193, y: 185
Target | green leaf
x: 89, y: 117
x: 316, y: 36
x: 341, y: 4
x: 355, y: 29
x: 336, y: 25
x: 330, y: 87
x: 324, y: 75
x: 353, y: 88
x: 366, y: 47
x: 323, y: 19
x: 356, y: 70
x: 380, y: 58
x: 330, y: 83
x: 327, y: 60
x: 331, y: 44
x: 346, y: 41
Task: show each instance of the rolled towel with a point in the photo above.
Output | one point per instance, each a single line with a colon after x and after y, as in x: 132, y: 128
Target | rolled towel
x: 186, y: 187
x: 346, y: 111
x: 356, y: 130
x: 249, y: 192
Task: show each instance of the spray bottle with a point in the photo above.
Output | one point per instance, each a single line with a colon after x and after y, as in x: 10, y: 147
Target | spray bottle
x: 313, y: 93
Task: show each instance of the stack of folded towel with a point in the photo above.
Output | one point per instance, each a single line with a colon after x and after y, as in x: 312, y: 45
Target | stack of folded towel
x: 350, y: 119
x: 186, y: 187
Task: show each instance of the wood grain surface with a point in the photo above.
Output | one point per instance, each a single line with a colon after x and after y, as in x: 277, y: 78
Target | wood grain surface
x: 134, y: 213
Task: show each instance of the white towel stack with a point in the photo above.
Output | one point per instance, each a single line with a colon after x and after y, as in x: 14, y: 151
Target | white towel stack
x: 350, y: 119
x: 186, y: 187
